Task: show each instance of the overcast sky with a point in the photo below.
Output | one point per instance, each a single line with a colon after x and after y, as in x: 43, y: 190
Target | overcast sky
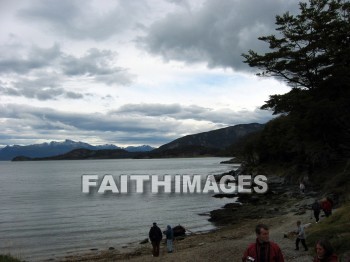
x: 131, y: 72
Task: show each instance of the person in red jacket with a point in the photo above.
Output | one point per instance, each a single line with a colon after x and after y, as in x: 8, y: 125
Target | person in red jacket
x: 324, y: 252
x: 327, y: 207
x: 263, y: 250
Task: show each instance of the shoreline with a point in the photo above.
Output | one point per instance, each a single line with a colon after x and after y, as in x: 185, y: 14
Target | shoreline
x: 227, y: 243
x: 234, y: 224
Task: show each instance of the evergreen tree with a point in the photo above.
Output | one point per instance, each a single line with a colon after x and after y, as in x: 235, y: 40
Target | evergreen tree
x: 311, y: 53
x: 314, y: 46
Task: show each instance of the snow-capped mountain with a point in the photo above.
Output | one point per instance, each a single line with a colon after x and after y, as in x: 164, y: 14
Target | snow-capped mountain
x: 56, y: 148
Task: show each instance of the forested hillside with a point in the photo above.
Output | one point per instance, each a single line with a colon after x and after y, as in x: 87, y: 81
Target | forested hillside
x: 311, y: 131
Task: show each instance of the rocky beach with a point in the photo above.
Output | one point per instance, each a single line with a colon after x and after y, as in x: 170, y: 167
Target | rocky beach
x: 280, y: 208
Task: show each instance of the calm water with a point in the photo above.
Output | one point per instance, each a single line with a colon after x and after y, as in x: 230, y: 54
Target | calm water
x: 44, y: 214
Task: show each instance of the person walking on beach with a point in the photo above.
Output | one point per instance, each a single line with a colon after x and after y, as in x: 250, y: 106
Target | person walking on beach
x: 169, y: 238
x: 316, y: 207
x: 324, y: 252
x: 155, y: 235
x: 301, y: 236
x: 302, y: 187
x: 263, y: 250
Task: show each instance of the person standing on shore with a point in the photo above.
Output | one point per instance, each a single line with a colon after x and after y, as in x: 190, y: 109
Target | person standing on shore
x: 263, y: 250
x: 155, y: 235
x: 316, y: 207
x: 169, y: 238
x: 301, y: 236
x: 324, y: 252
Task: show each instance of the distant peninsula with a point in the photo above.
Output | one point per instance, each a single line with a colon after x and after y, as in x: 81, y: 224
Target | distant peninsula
x: 205, y: 144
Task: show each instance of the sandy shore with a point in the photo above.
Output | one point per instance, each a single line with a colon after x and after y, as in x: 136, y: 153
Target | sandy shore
x: 225, y: 244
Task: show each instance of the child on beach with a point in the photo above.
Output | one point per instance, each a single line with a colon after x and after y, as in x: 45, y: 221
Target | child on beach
x: 301, y: 236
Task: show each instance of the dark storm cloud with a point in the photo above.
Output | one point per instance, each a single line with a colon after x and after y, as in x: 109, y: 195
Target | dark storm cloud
x: 82, y: 20
x: 217, y: 33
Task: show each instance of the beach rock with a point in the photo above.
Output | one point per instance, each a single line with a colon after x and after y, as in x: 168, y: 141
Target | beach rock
x: 230, y: 173
x: 145, y: 241
x: 233, y: 205
x: 225, y: 195
x: 111, y: 248
x: 256, y: 206
x: 179, y: 231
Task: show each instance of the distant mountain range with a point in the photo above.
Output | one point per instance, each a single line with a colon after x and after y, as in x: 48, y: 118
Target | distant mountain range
x: 57, y: 148
x: 210, y: 143
x: 84, y: 154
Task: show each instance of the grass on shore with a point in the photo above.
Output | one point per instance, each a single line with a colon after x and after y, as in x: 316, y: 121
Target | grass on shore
x: 8, y: 258
x: 335, y: 228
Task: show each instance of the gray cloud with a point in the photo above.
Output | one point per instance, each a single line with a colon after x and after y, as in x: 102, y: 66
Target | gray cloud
x: 52, y: 119
x: 40, y: 73
x: 43, y: 88
x: 73, y: 95
x: 25, y: 122
x: 83, y: 20
x: 94, y: 62
x: 35, y: 58
x: 183, y: 3
x: 178, y: 112
x: 153, y: 124
x: 149, y: 109
x: 98, y: 64
x: 216, y: 34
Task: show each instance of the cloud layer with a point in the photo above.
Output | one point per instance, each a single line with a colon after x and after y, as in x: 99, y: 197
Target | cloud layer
x: 130, y: 72
x: 154, y: 124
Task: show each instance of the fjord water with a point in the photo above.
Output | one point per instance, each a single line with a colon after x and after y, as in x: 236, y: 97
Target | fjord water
x: 44, y: 213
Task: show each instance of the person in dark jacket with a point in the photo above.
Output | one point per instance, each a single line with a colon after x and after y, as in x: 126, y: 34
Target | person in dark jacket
x: 155, y: 235
x: 263, y: 250
x: 324, y: 252
x: 316, y: 207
